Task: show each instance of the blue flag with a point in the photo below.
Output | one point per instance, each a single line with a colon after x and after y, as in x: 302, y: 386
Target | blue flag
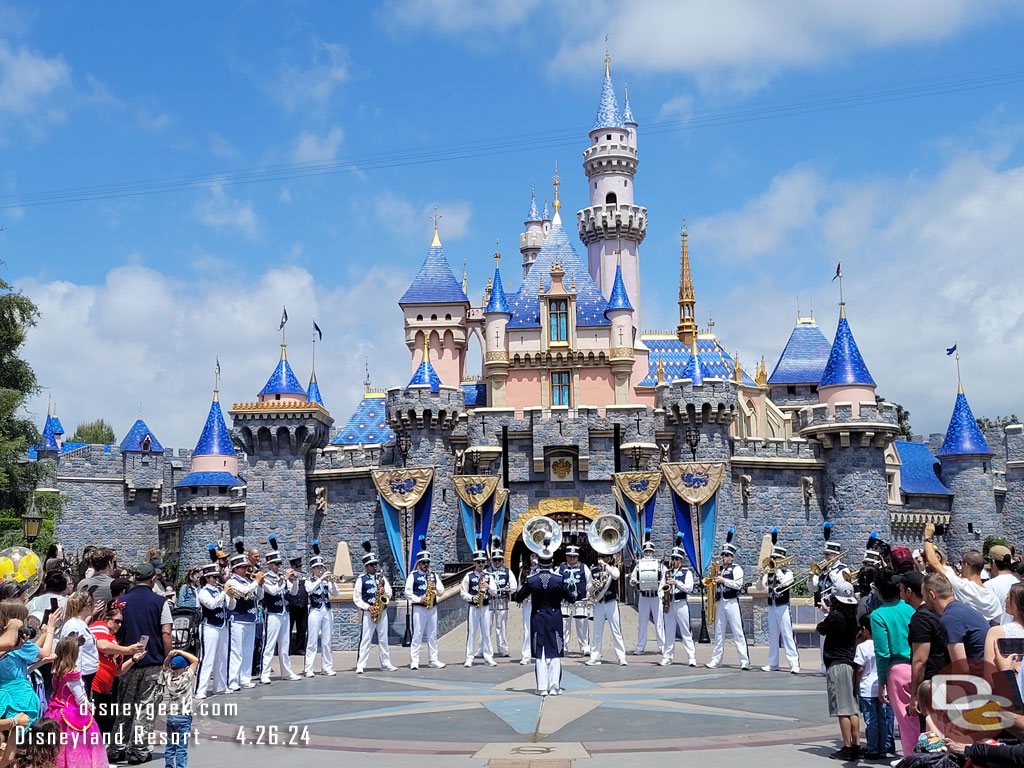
x: 284, y: 318
x: 839, y: 271
x: 951, y: 350
x: 317, y: 329
x: 218, y: 366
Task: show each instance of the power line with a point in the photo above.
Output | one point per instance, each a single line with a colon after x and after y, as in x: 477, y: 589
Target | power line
x: 508, y: 144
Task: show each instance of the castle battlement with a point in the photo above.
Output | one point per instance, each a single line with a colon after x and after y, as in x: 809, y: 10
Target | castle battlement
x: 840, y: 416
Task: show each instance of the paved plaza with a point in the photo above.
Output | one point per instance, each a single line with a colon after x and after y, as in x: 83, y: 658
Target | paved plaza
x: 608, y: 715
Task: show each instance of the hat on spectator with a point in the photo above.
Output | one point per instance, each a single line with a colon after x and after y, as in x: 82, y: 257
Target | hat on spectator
x: 158, y: 564
x: 912, y: 580
x: 179, y: 662
x: 1001, y: 555
x: 843, y: 592
x: 145, y: 572
x: 902, y: 560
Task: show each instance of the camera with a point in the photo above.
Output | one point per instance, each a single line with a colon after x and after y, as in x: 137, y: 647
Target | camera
x: 27, y: 633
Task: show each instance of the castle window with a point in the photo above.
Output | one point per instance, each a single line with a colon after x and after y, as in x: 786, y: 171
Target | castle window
x: 433, y: 317
x: 277, y: 397
x: 558, y: 310
x: 609, y: 137
x: 420, y: 318
x: 791, y: 390
x: 610, y: 198
x: 625, y: 182
x: 146, y: 443
x: 448, y: 316
x: 560, y: 388
x: 222, y: 489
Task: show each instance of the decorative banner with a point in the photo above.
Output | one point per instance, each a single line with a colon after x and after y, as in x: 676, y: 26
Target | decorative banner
x: 636, y: 494
x: 405, y: 501
x: 694, y: 487
x: 476, y: 502
x: 500, y: 512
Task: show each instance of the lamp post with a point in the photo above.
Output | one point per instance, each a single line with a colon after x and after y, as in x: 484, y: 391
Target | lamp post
x: 638, y: 453
x: 692, y: 436
x: 31, y: 522
x: 404, y: 443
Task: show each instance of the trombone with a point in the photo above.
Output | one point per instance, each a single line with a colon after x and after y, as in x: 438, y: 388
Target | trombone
x: 775, y: 563
x: 818, y: 568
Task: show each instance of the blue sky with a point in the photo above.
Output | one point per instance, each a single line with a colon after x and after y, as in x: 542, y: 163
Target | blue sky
x: 920, y: 197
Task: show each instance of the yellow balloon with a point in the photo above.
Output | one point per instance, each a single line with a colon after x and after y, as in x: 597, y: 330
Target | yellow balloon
x: 6, y: 567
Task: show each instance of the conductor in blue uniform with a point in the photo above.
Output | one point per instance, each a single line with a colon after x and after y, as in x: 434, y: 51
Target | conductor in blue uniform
x: 547, y: 592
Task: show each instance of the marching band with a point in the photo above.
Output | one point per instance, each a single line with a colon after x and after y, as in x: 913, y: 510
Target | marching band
x: 423, y: 588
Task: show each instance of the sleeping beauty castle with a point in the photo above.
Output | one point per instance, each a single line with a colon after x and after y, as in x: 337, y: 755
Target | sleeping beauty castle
x: 579, y: 411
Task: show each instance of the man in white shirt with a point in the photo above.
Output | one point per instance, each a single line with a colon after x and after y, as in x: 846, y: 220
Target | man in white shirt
x: 967, y: 587
x: 1000, y: 566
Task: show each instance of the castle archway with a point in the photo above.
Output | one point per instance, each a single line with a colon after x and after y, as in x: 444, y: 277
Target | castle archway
x: 574, y: 515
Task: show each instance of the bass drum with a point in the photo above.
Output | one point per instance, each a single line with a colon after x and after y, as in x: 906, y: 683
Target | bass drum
x: 647, y: 575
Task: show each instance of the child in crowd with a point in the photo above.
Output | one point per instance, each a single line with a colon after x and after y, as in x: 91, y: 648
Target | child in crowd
x: 878, y: 716
x: 83, y: 743
x: 39, y: 747
x: 177, y: 687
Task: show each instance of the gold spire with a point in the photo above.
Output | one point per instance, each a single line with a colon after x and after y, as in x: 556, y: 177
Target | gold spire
x: 959, y: 384
x: 436, y: 242
x: 687, y: 328
x: 557, y: 181
x: 737, y: 371
x: 426, y: 347
x: 761, y: 377
x: 661, y: 369
x: 497, y: 255
x: 366, y: 381
x: 216, y: 385
x: 607, y: 59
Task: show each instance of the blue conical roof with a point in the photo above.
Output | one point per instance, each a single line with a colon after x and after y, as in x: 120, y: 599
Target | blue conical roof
x: 608, y: 115
x: 845, y: 364
x: 533, y: 215
x: 313, y: 393
x: 546, y: 216
x: 434, y: 283
x: 627, y: 114
x: 694, y: 369
x: 50, y: 435
x: 283, y: 380
x: 425, y: 376
x: 619, y: 299
x: 497, y: 302
x: 964, y: 435
x: 136, y: 435
x: 216, y: 439
x: 805, y: 356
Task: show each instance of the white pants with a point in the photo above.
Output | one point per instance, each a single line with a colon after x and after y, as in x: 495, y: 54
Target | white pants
x: 650, y: 610
x: 478, y: 638
x: 243, y: 639
x: 424, y: 622
x: 527, y: 610
x: 781, y: 623
x: 549, y: 674
x: 582, y: 632
x: 215, y: 659
x: 678, y: 616
x: 727, y: 613
x: 499, y: 620
x: 607, y: 611
x: 278, y: 637
x: 366, y: 633
x: 319, y: 626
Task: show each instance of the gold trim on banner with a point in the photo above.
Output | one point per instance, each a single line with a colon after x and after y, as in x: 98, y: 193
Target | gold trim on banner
x: 547, y: 508
x: 694, y: 481
x: 500, y: 497
x: 638, y: 487
x: 402, y: 487
x: 475, y: 490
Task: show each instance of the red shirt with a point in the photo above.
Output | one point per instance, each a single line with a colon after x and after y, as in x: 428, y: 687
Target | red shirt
x: 104, y: 679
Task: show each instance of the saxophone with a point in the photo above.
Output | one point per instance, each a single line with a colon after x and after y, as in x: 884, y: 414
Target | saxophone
x: 481, y: 592
x: 666, y: 598
x: 709, y: 589
x: 430, y: 593
x: 381, y: 603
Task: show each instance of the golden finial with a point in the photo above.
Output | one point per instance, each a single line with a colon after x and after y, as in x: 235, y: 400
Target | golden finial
x: 572, y: 284
x: 661, y: 369
x: 497, y: 254
x: 426, y: 347
x: 737, y: 371
x: 625, y: 87
x: 557, y: 181
x: 761, y: 378
x: 436, y: 242
x: 465, y: 278
x: 366, y: 381
x: 607, y: 59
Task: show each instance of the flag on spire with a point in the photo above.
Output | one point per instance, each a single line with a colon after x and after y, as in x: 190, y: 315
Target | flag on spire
x: 950, y: 350
x: 839, y: 271
x: 284, y: 318
x: 316, y: 328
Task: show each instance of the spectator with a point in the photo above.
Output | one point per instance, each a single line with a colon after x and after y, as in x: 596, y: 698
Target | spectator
x: 188, y: 595
x: 55, y: 586
x: 17, y: 696
x: 1014, y: 629
x: 966, y: 629
x: 177, y: 684
x: 868, y: 599
x: 112, y: 664
x: 839, y: 630
x: 145, y: 614
x: 890, y: 630
x: 14, y: 590
x: 80, y: 611
x: 69, y: 706
x: 102, y: 564
x: 120, y: 587
x: 85, y: 569
x: 39, y: 747
x: 877, y: 715
x: 919, y: 563
x: 1001, y: 576
x: 928, y: 652
x: 967, y: 587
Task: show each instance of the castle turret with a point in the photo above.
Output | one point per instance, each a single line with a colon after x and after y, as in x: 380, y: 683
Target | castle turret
x: 621, y: 339
x: 496, y: 317
x: 142, y: 457
x: 612, y: 221
x: 846, y: 378
x: 966, y: 460
x: 436, y: 308
x: 313, y: 390
x: 531, y: 240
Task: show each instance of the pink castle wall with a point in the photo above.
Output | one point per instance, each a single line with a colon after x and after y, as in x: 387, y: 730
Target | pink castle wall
x: 855, y: 394
x: 523, y: 389
x: 597, y: 387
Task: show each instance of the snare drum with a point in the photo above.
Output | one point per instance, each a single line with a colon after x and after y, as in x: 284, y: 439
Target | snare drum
x: 647, y: 575
x: 499, y: 603
x: 583, y: 609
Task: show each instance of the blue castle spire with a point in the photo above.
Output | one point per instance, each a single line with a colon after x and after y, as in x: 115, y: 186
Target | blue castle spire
x: 845, y: 364
x: 215, y: 439
x: 50, y: 433
x: 497, y: 302
x: 283, y: 380
x: 694, y: 369
x: 619, y: 299
x: 434, y: 283
x: 608, y: 115
x: 425, y: 375
x: 533, y: 215
x: 313, y: 393
x: 546, y: 216
x: 135, y: 440
x: 964, y: 436
x: 627, y: 113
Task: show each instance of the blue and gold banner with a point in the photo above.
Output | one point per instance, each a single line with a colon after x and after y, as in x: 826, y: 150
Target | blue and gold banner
x: 477, y: 503
x: 694, y: 487
x: 405, y: 501
x: 636, y: 494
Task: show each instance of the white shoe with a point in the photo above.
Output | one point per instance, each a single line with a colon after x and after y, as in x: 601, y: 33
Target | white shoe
x: 332, y: 673
x: 623, y: 662
x: 469, y: 663
x: 388, y: 668
x: 293, y: 677
x: 438, y: 664
x: 744, y: 666
x: 524, y: 662
x: 712, y: 665
x: 543, y: 693
x: 199, y: 696
x: 263, y: 681
x: 794, y: 671
x: 664, y: 662
x: 592, y: 662
x: 769, y: 668
x: 358, y: 672
x: 555, y: 691
x: 492, y: 663
x: 250, y: 684
x: 414, y: 666
x: 692, y: 663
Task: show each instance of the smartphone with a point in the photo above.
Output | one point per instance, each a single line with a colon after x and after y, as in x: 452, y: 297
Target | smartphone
x: 54, y: 605
x: 1008, y: 646
x: 144, y: 640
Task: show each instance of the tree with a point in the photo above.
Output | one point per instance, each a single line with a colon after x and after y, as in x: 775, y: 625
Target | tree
x: 96, y: 432
x: 999, y: 422
x: 902, y: 419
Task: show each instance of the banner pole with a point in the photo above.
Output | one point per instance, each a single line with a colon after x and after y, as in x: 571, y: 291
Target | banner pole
x: 703, y: 638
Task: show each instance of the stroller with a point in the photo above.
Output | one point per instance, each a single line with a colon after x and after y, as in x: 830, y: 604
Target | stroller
x: 185, y: 629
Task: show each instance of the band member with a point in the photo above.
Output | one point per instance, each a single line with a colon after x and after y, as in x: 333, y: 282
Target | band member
x: 547, y: 592
x: 320, y: 587
x: 243, y: 595
x: 777, y: 583
x: 505, y: 582
x: 604, y: 592
x: 298, y: 610
x: 424, y: 619
x: 276, y: 585
x: 526, y: 572
x: 821, y: 583
x: 649, y: 574
x: 678, y: 583
x: 477, y: 590
x: 728, y: 585
x: 261, y: 619
x: 576, y: 577
x: 214, y: 628
x: 370, y: 589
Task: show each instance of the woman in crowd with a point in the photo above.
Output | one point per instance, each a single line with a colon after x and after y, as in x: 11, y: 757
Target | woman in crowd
x: 1014, y: 629
x: 188, y: 595
x: 114, y: 661
x: 16, y: 692
x: 82, y: 742
x: 80, y: 611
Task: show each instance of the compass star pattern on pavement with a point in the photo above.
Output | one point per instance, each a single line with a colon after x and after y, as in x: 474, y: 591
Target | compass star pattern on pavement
x: 515, y: 701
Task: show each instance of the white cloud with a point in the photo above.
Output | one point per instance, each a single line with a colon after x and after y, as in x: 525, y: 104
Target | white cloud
x: 143, y: 336
x: 221, y: 147
x: 223, y: 212
x: 414, y: 220
x: 460, y: 15
x: 309, y: 147
x: 152, y: 122
x: 314, y: 84
x: 30, y: 87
